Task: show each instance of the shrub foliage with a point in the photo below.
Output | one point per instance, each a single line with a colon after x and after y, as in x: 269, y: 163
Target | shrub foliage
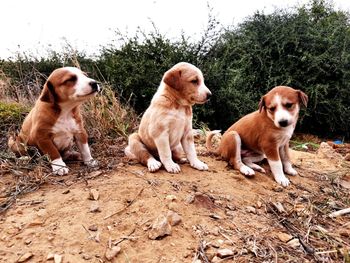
x: 306, y: 47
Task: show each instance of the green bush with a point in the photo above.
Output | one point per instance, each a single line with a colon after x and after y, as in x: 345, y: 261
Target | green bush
x: 307, y: 47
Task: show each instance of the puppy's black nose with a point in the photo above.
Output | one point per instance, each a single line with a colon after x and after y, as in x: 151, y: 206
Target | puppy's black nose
x: 283, y: 123
x: 94, y: 86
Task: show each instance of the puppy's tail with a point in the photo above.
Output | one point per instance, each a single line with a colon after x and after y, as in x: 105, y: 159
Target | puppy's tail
x: 16, y: 146
x: 208, y: 141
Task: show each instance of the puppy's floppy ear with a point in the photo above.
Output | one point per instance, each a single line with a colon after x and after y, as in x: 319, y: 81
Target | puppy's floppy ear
x: 262, y: 103
x: 172, y: 78
x: 48, y: 93
x: 303, y: 98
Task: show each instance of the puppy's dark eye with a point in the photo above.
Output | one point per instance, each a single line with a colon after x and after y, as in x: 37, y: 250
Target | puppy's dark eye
x: 288, y: 105
x: 194, y: 81
x: 72, y: 78
x: 272, y: 109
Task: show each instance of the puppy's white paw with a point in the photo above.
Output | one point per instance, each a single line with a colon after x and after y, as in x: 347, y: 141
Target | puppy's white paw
x: 153, y: 165
x: 91, y: 163
x: 59, y: 167
x: 172, y: 167
x: 199, y: 165
x: 291, y: 171
x: 247, y: 171
x: 282, y: 180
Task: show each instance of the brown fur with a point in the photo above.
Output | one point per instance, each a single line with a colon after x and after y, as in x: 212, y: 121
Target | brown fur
x: 167, y: 123
x: 258, y: 132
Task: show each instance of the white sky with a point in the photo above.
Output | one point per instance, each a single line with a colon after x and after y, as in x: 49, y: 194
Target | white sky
x: 86, y: 25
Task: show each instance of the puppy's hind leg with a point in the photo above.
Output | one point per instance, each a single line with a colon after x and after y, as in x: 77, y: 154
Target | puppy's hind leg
x: 138, y: 151
x: 231, y: 150
x: 251, y: 162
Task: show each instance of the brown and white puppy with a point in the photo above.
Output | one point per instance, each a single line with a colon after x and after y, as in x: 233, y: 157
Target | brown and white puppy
x: 165, y: 130
x: 55, y: 120
x: 263, y: 134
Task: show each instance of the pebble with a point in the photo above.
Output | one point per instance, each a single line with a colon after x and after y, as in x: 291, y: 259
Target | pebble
x: 95, y: 208
x: 173, y: 218
x: 284, y: 237
x: 224, y: 252
x: 250, y: 209
x: 294, y: 243
x: 57, y: 258
x: 173, y: 206
x: 66, y: 191
x: 94, y: 194
x: 279, y: 207
x: 216, y: 259
x: 25, y: 257
x: 112, y: 252
x: 160, y: 228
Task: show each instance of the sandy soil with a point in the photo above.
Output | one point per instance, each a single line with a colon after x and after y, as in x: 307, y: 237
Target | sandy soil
x: 256, y: 219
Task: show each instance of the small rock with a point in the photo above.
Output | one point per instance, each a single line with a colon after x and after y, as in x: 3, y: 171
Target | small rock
x: 57, y: 258
x: 93, y: 228
x: 95, y: 208
x: 86, y: 256
x: 229, y: 213
x: 173, y: 206
x: 197, y: 261
x: 50, y: 256
x: 94, y: 194
x: 250, y: 209
x: 279, y: 207
x: 215, y: 231
x: 66, y: 191
x: 25, y: 257
x: 27, y: 241
x: 170, y: 198
x: 284, y: 237
x: 160, y: 228
x: 173, y: 218
x: 189, y: 199
x: 224, y: 252
x: 112, y: 252
x: 258, y: 204
x: 294, y: 243
x: 216, y: 259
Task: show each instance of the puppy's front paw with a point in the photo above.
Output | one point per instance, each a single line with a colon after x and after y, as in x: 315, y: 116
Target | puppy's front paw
x: 282, y: 180
x: 247, y: 171
x: 291, y: 171
x: 91, y: 163
x: 153, y: 165
x: 59, y: 167
x: 172, y: 167
x: 199, y: 165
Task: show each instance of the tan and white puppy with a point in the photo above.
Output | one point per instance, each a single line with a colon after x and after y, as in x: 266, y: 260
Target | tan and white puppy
x: 263, y: 134
x: 165, y: 130
x: 55, y: 120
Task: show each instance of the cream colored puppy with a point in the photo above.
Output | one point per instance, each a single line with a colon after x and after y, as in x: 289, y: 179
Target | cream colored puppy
x: 166, y: 127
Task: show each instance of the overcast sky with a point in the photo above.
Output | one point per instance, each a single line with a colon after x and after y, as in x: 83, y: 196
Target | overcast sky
x: 86, y: 25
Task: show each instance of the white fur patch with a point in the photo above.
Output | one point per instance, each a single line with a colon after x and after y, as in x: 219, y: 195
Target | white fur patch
x: 247, y: 171
x: 59, y: 167
x: 153, y: 165
x: 82, y: 86
x: 277, y: 171
x: 64, y: 130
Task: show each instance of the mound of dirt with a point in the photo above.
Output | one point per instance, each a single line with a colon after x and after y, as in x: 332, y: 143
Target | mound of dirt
x: 107, y: 215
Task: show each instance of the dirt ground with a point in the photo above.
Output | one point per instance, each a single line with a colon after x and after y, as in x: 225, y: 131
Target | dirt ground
x: 80, y: 217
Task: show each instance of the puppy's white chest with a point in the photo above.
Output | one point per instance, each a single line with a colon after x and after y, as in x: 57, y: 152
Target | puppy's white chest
x: 286, y: 135
x: 64, y: 130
